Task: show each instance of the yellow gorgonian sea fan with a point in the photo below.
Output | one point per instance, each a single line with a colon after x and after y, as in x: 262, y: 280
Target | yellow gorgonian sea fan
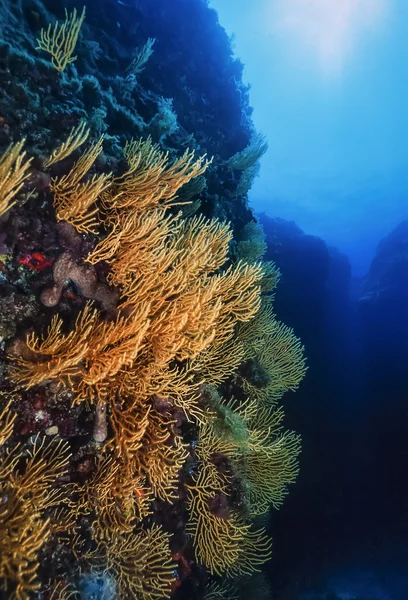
x: 114, y: 497
x: 141, y: 564
x: 74, y: 198
x: 60, y: 40
x: 138, y: 63
x: 30, y: 494
x: 76, y: 138
x: 152, y: 179
x: 147, y: 446
x: 176, y: 304
x: 172, y: 315
x: 87, y: 358
x: 175, y: 327
x: 7, y: 419
x: 223, y: 542
x: 269, y: 459
x: 13, y: 173
x: 250, y: 155
x: 220, y: 591
x: 276, y: 352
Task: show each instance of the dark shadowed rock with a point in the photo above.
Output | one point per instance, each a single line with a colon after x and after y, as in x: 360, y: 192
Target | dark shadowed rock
x: 383, y: 304
x: 304, y: 262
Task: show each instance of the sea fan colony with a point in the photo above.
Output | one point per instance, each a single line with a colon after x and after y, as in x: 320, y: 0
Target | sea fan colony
x: 151, y: 370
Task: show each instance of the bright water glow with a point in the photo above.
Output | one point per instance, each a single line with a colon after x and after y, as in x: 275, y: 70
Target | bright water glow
x: 329, y: 87
x: 329, y: 31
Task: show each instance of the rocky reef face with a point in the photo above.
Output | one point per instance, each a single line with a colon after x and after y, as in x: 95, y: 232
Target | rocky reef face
x: 351, y: 408
x: 189, y: 94
x: 114, y: 148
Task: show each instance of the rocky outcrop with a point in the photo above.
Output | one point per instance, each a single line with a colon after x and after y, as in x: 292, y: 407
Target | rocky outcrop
x: 304, y: 262
x: 383, y: 305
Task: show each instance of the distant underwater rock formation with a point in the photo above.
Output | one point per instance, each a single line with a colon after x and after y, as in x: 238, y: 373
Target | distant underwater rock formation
x: 355, y: 429
x: 383, y: 304
x: 388, y: 273
x: 304, y: 262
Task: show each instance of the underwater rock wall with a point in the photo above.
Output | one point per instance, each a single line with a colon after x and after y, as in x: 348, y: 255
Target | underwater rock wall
x: 142, y: 364
x: 189, y: 94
